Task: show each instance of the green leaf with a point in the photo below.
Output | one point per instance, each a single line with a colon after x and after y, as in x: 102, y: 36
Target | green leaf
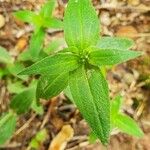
x: 102, y: 57
x: 42, y: 55
x: 16, y: 87
x: 37, y: 108
x: 37, y: 22
x: 4, y: 56
x: 62, y: 62
x: 67, y: 92
x: 7, y: 126
x: 81, y: 24
x: 116, y: 104
x: 127, y: 125
x: 115, y: 43
x: 24, y: 56
x: 51, y: 85
x: 90, y: 94
x: 22, y: 102
x: 47, y: 9
x: 40, y: 137
x: 52, y: 23
x: 25, y: 16
x: 54, y: 45
x: 36, y: 43
x: 92, y: 137
x: 3, y: 72
x: 15, y: 68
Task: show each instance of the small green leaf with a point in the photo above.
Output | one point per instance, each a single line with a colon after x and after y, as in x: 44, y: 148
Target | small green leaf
x: 3, y: 72
x: 67, y: 92
x: 54, y: 45
x: 15, y: 68
x: 4, y: 56
x: 115, y: 43
x: 42, y: 55
x: 81, y: 24
x: 36, y: 43
x: 7, y: 126
x: 116, y: 104
x: 24, y: 56
x: 40, y: 137
x: 38, y: 22
x: 51, y: 85
x: 22, y: 102
x: 16, y: 87
x: 37, y: 108
x: 47, y: 9
x: 102, y: 57
x: 52, y: 23
x: 25, y: 16
x: 92, y: 137
x: 90, y: 94
x: 127, y: 125
x: 62, y: 62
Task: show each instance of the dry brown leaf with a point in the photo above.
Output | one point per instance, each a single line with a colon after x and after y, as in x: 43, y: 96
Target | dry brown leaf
x: 134, y: 2
x: 126, y: 31
x: 21, y: 44
x: 61, y: 139
x: 2, y: 21
x: 55, y: 119
x: 143, y: 8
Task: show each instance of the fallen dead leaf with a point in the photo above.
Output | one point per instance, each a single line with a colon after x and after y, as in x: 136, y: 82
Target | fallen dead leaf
x: 21, y: 44
x: 126, y: 31
x: 55, y: 119
x: 143, y: 8
x: 61, y: 139
x: 2, y: 21
x: 134, y: 2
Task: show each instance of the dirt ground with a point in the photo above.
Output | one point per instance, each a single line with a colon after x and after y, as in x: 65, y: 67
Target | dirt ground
x: 130, y: 18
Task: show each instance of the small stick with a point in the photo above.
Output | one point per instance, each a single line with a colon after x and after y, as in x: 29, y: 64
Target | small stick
x: 26, y: 125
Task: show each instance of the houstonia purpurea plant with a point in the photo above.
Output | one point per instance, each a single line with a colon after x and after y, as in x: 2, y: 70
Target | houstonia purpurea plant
x: 78, y: 67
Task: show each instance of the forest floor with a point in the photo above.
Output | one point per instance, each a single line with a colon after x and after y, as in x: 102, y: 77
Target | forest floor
x: 130, y: 18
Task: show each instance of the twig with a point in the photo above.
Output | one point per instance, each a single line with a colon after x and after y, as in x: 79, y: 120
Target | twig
x: 111, y: 6
x: 10, y: 145
x: 26, y: 125
x: 47, y: 116
x: 65, y: 107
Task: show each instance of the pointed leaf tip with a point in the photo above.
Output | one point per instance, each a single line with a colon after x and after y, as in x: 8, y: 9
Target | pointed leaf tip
x: 101, y: 57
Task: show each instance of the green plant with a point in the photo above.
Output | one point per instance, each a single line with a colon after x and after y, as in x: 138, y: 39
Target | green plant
x: 122, y: 121
x: 78, y: 67
x: 41, y: 21
x: 38, y: 140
